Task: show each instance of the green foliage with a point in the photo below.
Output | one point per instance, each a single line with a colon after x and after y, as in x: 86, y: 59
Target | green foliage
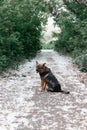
x: 48, y: 46
x: 20, y: 29
x: 73, y: 37
x: 3, y: 61
x: 81, y: 61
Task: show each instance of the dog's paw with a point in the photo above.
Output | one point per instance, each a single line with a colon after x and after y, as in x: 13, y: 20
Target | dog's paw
x: 40, y: 89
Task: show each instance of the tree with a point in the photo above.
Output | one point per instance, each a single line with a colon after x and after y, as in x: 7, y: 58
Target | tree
x: 20, y: 29
x: 72, y: 20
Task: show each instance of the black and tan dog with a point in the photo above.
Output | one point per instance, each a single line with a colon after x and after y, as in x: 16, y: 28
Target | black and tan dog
x: 47, y: 78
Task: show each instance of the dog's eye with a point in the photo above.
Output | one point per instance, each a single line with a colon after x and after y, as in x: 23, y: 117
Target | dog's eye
x: 37, y: 68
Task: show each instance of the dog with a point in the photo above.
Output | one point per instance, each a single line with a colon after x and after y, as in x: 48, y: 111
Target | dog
x: 48, y: 79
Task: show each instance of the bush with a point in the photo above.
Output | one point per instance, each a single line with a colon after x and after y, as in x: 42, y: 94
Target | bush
x: 3, y: 62
x: 20, y: 30
x: 73, y: 37
x: 81, y: 61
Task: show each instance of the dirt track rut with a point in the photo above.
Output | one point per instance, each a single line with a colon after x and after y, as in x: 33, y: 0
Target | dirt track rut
x: 22, y: 107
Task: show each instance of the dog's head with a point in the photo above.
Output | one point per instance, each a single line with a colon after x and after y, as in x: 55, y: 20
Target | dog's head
x: 41, y: 68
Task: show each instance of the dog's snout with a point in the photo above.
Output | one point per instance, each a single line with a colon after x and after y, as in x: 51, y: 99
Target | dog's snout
x: 36, y: 70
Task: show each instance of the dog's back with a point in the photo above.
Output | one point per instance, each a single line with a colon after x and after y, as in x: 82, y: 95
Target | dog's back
x: 52, y: 83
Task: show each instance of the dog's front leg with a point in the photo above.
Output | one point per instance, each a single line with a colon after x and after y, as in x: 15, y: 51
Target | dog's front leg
x: 43, y: 85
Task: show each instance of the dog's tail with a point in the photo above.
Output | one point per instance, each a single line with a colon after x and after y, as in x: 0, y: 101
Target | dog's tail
x: 64, y: 92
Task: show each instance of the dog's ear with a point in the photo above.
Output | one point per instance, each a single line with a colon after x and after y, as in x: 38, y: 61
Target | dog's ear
x: 36, y: 62
x: 44, y: 64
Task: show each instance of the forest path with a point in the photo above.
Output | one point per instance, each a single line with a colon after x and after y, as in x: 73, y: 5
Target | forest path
x: 22, y: 107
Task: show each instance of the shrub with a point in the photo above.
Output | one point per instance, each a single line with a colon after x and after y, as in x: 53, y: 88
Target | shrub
x: 20, y: 30
x: 73, y: 37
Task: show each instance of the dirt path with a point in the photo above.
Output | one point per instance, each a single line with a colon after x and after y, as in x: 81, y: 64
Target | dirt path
x: 22, y: 107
